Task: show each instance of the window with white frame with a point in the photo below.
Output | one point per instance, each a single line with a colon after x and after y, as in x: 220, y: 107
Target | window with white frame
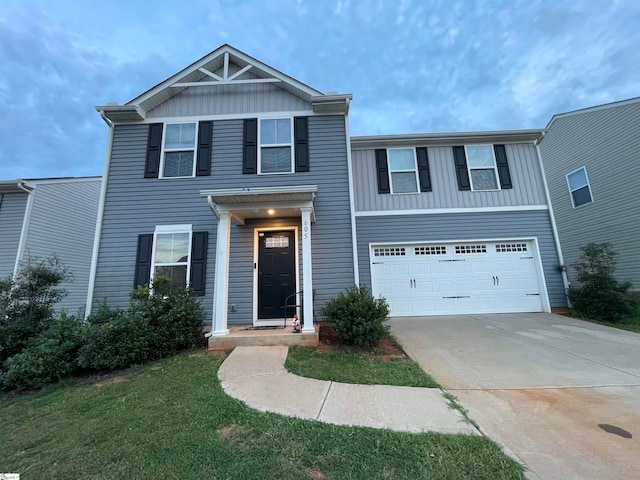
x: 172, y: 253
x: 579, y: 187
x: 276, y: 152
x: 481, y: 162
x: 179, y: 150
x: 403, y: 170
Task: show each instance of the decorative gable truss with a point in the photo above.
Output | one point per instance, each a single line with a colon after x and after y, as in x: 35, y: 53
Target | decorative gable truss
x: 225, y: 66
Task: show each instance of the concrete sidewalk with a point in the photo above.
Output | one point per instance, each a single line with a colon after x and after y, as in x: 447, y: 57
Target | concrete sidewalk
x: 256, y: 376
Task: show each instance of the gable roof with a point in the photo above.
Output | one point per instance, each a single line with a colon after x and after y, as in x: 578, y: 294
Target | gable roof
x: 202, y: 73
x: 595, y: 108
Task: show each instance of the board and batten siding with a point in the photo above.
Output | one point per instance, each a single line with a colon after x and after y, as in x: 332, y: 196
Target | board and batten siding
x: 135, y: 205
x: 62, y: 224
x: 607, y: 142
x: 230, y: 99
x: 463, y: 226
x: 528, y: 187
x: 12, y: 213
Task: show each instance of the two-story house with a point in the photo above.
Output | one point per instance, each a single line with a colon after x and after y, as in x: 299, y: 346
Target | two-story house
x: 50, y: 217
x: 590, y: 159
x: 245, y: 184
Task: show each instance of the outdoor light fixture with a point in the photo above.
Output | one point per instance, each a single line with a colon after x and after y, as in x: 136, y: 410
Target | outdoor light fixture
x: 271, y: 211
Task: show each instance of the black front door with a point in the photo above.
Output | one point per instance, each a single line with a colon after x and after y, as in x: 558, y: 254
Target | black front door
x: 276, y: 272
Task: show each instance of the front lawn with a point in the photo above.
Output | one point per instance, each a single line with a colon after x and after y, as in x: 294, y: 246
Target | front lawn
x: 631, y: 324
x: 352, y: 366
x: 172, y: 420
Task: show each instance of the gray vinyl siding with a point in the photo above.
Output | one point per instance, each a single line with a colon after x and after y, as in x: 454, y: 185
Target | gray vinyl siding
x: 528, y: 187
x: 463, y: 226
x: 12, y: 213
x: 230, y: 99
x: 135, y: 205
x: 607, y: 143
x: 62, y: 224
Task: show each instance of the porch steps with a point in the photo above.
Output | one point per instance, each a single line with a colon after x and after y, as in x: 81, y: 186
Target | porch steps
x: 239, y: 336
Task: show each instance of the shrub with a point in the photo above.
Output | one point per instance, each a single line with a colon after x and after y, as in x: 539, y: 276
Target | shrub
x: 49, y: 357
x: 119, y: 342
x: 600, y: 296
x: 26, y: 302
x: 174, y: 315
x: 357, y: 317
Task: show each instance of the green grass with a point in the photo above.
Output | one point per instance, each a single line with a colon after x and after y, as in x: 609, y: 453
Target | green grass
x: 172, y: 420
x: 631, y: 324
x: 352, y: 366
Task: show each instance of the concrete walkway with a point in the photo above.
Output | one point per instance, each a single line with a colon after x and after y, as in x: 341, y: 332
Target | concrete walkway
x: 256, y: 376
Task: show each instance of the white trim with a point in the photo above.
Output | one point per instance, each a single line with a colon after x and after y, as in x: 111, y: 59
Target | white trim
x: 554, y: 227
x: 438, y: 211
x: 495, y: 167
x: 260, y: 190
x: 256, y: 239
x: 352, y: 205
x: 164, y: 151
x: 25, y: 230
x: 98, y: 232
x: 595, y: 108
x: 276, y: 145
x: 47, y: 181
x: 542, y: 284
x: 225, y: 82
x: 221, y: 278
x: 415, y: 171
x: 573, y: 203
x: 227, y: 116
x: 173, y: 228
x: 307, y: 268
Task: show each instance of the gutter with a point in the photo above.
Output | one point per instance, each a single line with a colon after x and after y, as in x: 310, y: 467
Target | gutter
x: 22, y: 185
x: 98, y: 232
x: 354, y: 241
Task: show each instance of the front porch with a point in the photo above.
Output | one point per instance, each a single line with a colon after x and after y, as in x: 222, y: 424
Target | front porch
x: 241, y: 335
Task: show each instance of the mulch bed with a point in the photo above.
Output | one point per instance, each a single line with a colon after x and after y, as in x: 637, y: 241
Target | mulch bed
x: 385, y: 351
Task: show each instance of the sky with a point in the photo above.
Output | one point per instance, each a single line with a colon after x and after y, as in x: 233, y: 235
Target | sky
x: 413, y: 66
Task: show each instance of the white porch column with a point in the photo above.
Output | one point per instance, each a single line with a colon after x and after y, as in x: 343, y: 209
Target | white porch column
x: 307, y: 280
x: 221, y: 289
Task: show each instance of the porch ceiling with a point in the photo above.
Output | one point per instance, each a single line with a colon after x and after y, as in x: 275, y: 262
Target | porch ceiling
x: 262, y: 202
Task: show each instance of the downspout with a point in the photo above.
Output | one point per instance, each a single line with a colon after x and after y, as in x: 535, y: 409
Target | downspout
x: 554, y: 228
x: 98, y: 232
x: 354, y: 240
x: 25, y: 225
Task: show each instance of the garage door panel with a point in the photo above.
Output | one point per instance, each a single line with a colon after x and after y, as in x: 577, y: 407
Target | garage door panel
x: 482, y: 277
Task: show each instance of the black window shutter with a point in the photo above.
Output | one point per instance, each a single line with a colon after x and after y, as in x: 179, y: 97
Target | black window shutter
x: 503, y: 166
x: 462, y: 173
x: 301, y: 136
x: 143, y: 260
x: 203, y: 162
x: 383, y: 171
x: 154, y: 147
x: 199, y: 262
x: 423, y: 169
x: 250, y: 146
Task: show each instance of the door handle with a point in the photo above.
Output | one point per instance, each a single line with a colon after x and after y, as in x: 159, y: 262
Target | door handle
x: 498, y: 281
x: 494, y: 280
x: 414, y: 283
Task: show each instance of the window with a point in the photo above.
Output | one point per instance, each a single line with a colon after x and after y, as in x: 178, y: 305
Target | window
x: 481, y: 163
x: 389, y: 252
x: 402, y: 170
x: 179, y: 149
x: 276, y: 152
x: 511, y: 247
x: 438, y: 250
x: 171, y: 254
x: 463, y: 249
x: 579, y: 187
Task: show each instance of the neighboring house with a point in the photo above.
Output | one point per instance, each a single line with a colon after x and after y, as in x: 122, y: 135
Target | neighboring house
x: 51, y: 217
x: 591, y: 162
x: 244, y: 183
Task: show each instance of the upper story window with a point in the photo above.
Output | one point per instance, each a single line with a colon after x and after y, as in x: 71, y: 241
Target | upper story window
x: 276, y: 152
x: 483, y: 171
x: 403, y: 170
x: 179, y: 150
x: 579, y: 187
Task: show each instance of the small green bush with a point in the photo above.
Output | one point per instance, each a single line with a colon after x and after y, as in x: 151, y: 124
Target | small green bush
x: 599, y: 295
x: 175, y: 317
x: 120, y: 342
x: 26, y: 302
x: 356, y: 317
x: 49, y: 357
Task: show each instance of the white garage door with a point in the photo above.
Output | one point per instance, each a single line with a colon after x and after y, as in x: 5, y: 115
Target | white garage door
x: 454, y: 278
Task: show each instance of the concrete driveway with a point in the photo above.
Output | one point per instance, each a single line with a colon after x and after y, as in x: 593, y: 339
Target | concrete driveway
x: 560, y: 394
